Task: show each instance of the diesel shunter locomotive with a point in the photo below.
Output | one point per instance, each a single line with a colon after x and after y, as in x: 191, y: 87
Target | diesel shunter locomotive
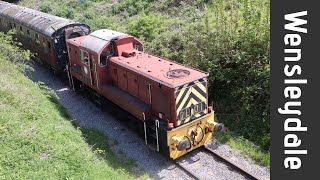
x: 168, y: 99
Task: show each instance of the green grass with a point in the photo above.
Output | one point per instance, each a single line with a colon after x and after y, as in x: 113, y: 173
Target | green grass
x: 246, y: 147
x: 39, y: 141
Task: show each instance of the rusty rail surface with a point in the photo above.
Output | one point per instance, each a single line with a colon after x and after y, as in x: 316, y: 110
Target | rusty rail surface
x: 191, y: 174
x: 233, y: 165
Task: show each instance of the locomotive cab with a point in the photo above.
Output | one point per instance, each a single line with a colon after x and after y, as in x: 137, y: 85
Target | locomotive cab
x: 106, y: 54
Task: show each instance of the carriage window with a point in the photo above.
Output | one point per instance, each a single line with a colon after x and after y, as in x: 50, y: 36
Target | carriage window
x: 29, y: 34
x: 36, y: 40
x: 21, y: 30
x: 106, y: 55
x: 44, y: 44
x: 49, y: 46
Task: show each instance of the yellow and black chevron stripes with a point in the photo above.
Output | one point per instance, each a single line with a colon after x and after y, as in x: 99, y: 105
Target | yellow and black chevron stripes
x: 191, y: 101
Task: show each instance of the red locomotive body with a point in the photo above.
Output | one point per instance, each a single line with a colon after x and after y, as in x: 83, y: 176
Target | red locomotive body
x: 148, y: 87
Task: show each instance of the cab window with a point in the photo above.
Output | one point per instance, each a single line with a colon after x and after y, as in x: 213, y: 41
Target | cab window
x: 84, y: 57
x: 137, y: 45
x: 106, y: 54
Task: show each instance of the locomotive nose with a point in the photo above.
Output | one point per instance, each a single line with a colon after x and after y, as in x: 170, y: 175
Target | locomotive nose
x: 195, y: 135
x: 192, y: 138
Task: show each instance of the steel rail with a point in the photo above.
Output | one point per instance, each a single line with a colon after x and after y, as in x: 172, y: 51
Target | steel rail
x: 238, y: 168
x: 191, y: 174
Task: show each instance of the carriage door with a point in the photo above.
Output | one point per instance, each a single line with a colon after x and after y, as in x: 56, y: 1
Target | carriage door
x: 86, y: 67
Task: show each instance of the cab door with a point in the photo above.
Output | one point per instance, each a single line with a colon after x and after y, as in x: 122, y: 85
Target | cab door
x: 94, y: 74
x: 86, y: 67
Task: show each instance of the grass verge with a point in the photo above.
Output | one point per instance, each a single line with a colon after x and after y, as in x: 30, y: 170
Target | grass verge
x: 246, y: 147
x: 39, y: 141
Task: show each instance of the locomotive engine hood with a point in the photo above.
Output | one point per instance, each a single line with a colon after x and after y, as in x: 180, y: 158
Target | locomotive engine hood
x: 165, y: 72
x: 190, y: 85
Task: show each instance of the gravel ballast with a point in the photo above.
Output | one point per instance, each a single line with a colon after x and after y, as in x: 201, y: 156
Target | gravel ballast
x: 126, y: 142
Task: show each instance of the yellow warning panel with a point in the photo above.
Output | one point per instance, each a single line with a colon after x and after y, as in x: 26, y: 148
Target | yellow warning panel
x: 190, y: 136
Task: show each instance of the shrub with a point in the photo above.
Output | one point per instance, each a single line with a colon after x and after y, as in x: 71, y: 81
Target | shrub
x: 65, y: 12
x: 130, y: 7
x: 101, y: 23
x: 12, y: 51
x: 78, y: 4
x: 45, y: 8
x: 146, y: 27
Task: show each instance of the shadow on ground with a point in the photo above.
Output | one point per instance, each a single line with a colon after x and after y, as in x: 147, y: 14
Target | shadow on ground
x: 98, y: 143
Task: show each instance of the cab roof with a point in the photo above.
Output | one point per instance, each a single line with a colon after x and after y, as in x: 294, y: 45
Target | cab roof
x: 97, y: 40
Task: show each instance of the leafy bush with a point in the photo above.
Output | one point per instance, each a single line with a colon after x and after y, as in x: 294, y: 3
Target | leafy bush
x: 130, y: 7
x: 65, y: 12
x: 45, y: 8
x: 98, y: 22
x: 11, y: 50
x: 240, y: 69
x: 80, y: 5
x: 146, y: 27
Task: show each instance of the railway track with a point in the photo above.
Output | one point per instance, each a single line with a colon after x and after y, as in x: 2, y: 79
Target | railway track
x: 221, y: 158
x: 234, y: 166
x: 184, y: 169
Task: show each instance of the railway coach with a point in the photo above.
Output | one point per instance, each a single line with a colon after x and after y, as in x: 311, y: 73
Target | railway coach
x: 44, y: 34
